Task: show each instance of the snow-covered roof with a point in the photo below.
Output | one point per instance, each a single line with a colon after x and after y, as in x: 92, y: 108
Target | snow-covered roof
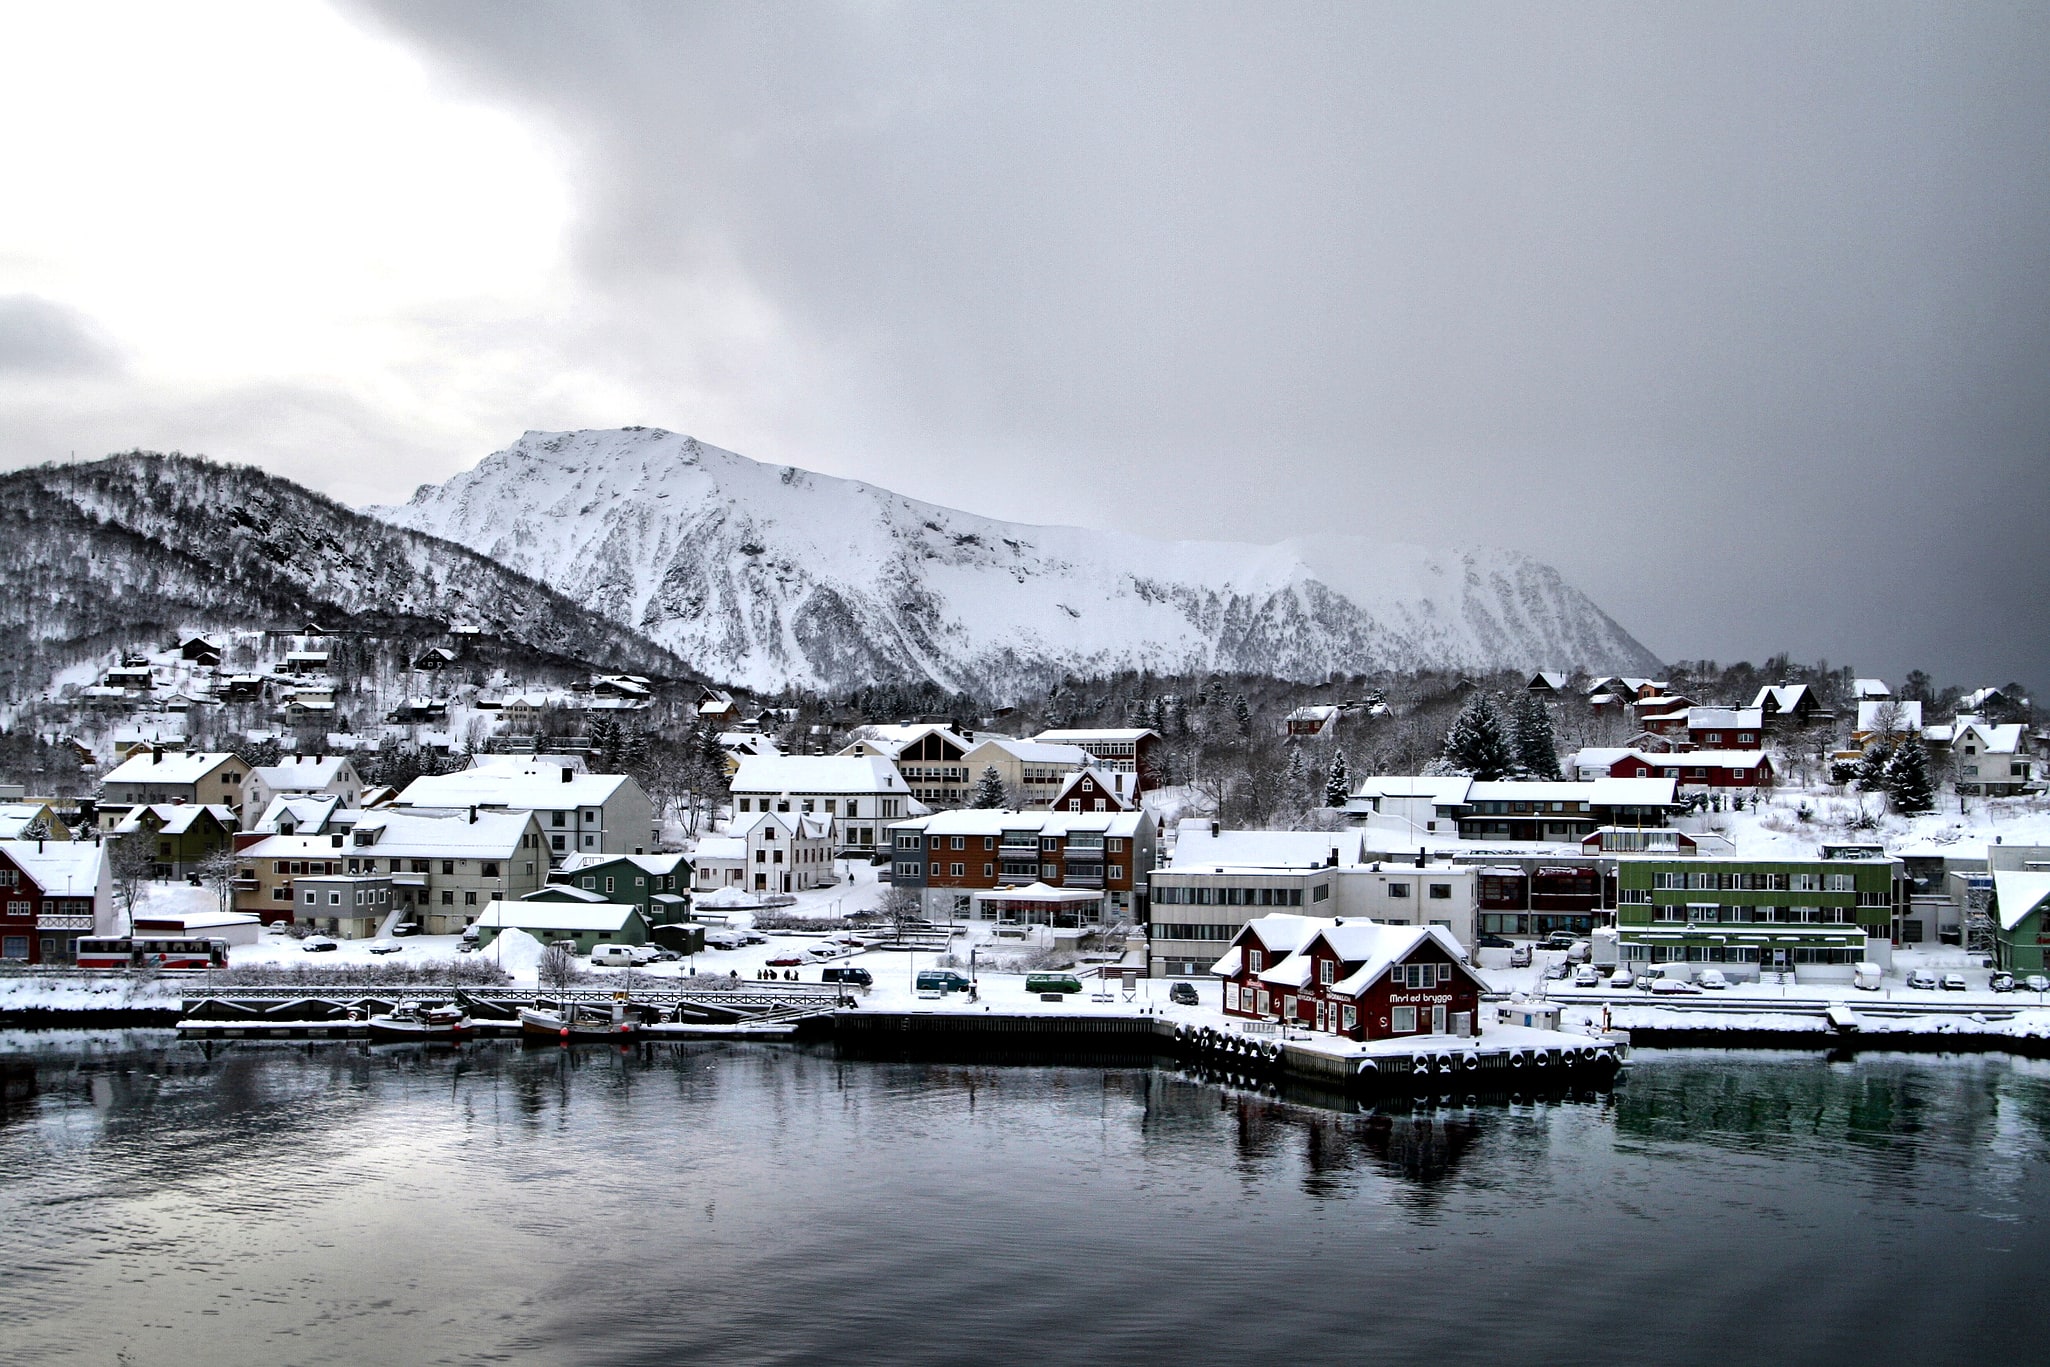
x: 1725, y: 718
x: 658, y: 864
x: 1444, y: 792
x: 59, y: 867
x: 303, y: 811
x: 537, y: 785
x: 1320, y: 713
x: 850, y: 774
x: 720, y: 848
x: 302, y: 773
x: 577, y: 916
x: 794, y: 825
x: 16, y: 817
x: 1697, y: 759
x: 997, y: 820
x: 1196, y: 849
x: 1037, y: 892
x: 2020, y: 892
x: 1551, y: 679
x: 394, y: 833
x: 1603, y: 792
x: 1038, y: 752
x: 516, y: 763
x: 174, y: 818
x: 1084, y: 735
x: 173, y: 766
x: 1993, y: 740
x: 1784, y: 697
x: 892, y: 738
x: 1375, y: 947
x: 1870, y: 688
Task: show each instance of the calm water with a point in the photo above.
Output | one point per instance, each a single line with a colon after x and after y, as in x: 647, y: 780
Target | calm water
x: 337, y: 1204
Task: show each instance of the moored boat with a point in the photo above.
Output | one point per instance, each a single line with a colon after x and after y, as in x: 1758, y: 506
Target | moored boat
x: 415, y: 1021
x: 578, y: 1024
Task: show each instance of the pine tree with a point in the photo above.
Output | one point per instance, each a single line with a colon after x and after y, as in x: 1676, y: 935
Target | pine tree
x: 1872, y: 768
x: 1907, y: 779
x: 1478, y: 743
x: 1537, y: 751
x: 1338, y: 786
x: 1242, y: 716
x: 603, y: 737
x: 989, y: 790
x: 1295, y: 782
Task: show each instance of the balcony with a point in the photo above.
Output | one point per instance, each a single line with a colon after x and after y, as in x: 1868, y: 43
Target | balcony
x: 49, y: 921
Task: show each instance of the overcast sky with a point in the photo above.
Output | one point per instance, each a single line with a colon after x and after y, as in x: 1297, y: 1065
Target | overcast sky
x: 1738, y: 314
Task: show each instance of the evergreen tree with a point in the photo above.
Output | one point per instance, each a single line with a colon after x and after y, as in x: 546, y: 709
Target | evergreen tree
x: 1537, y: 751
x: 1295, y: 782
x: 1872, y: 768
x: 1338, y: 786
x: 603, y: 736
x: 1907, y: 779
x: 989, y: 790
x: 1478, y: 743
x: 1242, y: 716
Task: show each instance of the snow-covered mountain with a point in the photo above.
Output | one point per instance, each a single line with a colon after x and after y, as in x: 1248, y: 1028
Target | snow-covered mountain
x: 770, y: 575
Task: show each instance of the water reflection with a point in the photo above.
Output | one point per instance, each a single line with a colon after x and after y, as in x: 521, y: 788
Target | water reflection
x: 337, y: 1202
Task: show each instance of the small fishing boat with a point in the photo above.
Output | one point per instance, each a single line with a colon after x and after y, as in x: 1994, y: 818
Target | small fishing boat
x: 416, y: 1021
x: 579, y: 1023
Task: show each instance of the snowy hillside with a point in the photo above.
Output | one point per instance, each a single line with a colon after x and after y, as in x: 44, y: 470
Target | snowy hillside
x: 133, y: 549
x: 771, y: 575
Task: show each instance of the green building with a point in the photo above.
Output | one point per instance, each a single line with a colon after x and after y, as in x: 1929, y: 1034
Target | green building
x: 659, y: 884
x: 1814, y: 917
x: 2020, y: 937
x: 587, y: 923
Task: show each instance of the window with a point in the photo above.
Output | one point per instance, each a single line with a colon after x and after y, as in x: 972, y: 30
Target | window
x: 556, y: 841
x: 334, y: 899
x: 907, y: 872
x: 989, y: 871
x: 311, y: 898
x: 589, y: 882
x: 1325, y: 972
x: 1444, y: 973
x: 1116, y: 871
x: 448, y: 899
x: 1255, y: 960
x: 557, y: 819
x: 448, y: 868
x: 1352, y: 1018
x: 469, y: 899
x: 1398, y: 890
x: 957, y: 843
x: 490, y: 870
x: 1441, y: 892
x: 1402, y: 1020
x: 1320, y: 893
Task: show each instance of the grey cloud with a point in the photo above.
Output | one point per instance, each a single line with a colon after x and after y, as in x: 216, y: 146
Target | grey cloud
x: 39, y: 337
x: 1740, y: 312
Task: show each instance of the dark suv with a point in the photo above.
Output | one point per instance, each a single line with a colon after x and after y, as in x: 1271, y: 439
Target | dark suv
x: 858, y: 977
x: 1184, y: 993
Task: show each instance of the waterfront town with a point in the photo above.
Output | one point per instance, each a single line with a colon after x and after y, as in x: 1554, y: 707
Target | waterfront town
x: 1728, y: 862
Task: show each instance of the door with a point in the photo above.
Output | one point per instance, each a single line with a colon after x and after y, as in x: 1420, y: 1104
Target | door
x: 1437, y: 1020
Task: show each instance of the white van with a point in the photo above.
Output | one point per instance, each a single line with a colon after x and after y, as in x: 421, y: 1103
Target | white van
x: 1867, y: 976
x: 612, y: 956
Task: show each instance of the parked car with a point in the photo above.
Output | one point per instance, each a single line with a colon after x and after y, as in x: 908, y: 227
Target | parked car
x: 724, y: 939
x: 1953, y: 982
x: 1923, y: 979
x: 1052, y: 982
x: 1560, y: 939
x: 849, y: 974
x: 663, y: 956
x: 1519, y: 957
x: 647, y: 954
x: 319, y: 944
x: 467, y: 947
x: 1713, y: 979
x: 1494, y: 942
x: 2036, y: 982
x: 406, y: 928
x: 385, y: 947
x: 278, y: 928
x: 1557, y: 972
x: 2001, y: 982
x: 1585, y: 976
x: 1622, y: 977
x: 789, y: 958
x: 940, y: 980
x: 1016, y: 930
x: 1184, y: 994
x: 1674, y: 987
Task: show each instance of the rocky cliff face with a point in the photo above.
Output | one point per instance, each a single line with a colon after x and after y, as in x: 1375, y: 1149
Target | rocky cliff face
x: 769, y: 576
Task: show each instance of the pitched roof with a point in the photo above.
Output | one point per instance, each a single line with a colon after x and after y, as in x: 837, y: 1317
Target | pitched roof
x: 2020, y: 892
x: 556, y: 915
x: 394, y: 833
x: 301, y: 773
x: 1080, y: 735
x: 173, y: 766
x: 857, y: 774
x: 535, y: 785
x: 61, y: 867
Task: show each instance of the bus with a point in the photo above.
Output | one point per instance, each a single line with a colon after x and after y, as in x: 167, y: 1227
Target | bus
x: 153, y: 951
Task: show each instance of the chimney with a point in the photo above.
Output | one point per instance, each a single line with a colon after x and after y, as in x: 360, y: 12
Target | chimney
x: 1216, y: 829
x: 473, y: 814
x: 156, y: 754
x: 565, y: 773
x: 1420, y: 856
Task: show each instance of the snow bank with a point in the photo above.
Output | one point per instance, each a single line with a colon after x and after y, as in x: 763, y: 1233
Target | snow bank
x: 518, y: 953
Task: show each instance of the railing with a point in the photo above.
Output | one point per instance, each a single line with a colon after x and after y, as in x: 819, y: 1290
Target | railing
x: 51, y: 921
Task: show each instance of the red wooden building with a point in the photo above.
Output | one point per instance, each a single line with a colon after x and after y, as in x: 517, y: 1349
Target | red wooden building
x: 1358, y: 979
x: 51, y: 893
x: 1700, y: 768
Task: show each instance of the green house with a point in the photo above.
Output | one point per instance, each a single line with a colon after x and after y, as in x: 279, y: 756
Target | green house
x: 659, y: 884
x: 180, y: 835
x: 1814, y: 917
x: 587, y: 923
x: 2021, y: 897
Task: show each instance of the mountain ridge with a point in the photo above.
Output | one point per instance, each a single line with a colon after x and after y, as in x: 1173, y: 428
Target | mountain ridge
x: 775, y: 576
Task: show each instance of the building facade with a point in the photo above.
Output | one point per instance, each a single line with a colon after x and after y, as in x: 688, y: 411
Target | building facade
x: 1815, y: 918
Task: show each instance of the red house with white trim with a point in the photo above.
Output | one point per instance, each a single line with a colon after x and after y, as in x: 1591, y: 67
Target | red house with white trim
x: 1700, y: 768
x: 1358, y: 979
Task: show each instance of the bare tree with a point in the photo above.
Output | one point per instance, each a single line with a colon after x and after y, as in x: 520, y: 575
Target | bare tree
x: 559, y: 969
x: 218, y: 869
x: 130, y: 860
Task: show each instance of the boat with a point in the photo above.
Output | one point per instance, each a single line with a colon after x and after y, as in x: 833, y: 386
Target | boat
x: 415, y: 1021
x: 579, y: 1023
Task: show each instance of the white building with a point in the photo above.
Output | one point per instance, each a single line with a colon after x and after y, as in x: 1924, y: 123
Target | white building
x: 581, y: 813
x: 858, y: 794
x: 771, y: 852
x: 300, y: 776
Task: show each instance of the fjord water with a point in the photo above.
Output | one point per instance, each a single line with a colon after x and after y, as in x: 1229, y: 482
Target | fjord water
x: 346, y: 1204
